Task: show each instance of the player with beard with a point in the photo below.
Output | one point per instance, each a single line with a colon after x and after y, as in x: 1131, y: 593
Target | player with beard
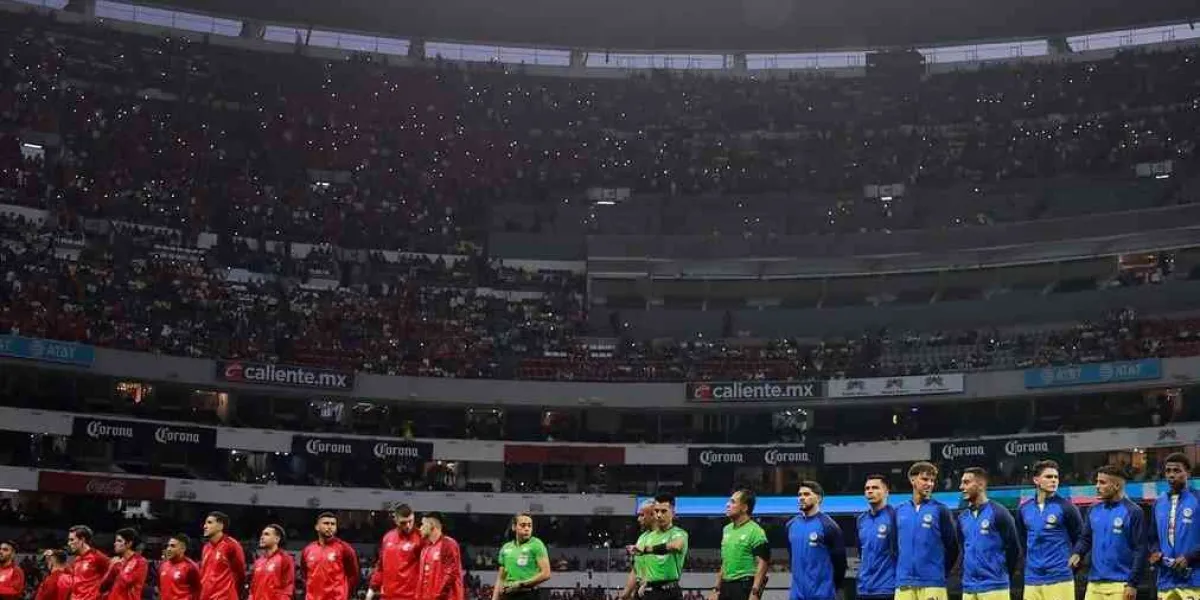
x: 441, y: 562
x: 1115, y: 539
x: 637, y: 572
x: 90, y: 566
x: 128, y: 570
x: 178, y: 575
x: 524, y: 563
x: 222, y: 562
x: 817, y: 548
x: 991, y: 550
x: 274, y: 576
x: 396, y: 572
x: 57, y: 584
x: 876, y: 543
x: 12, y: 577
x: 1052, y: 528
x: 331, y: 565
x: 926, y: 539
x: 1174, y: 542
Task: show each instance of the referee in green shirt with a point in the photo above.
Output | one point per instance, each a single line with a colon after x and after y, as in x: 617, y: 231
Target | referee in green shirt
x: 745, y: 553
x: 637, y: 574
x: 524, y: 563
x: 665, y: 548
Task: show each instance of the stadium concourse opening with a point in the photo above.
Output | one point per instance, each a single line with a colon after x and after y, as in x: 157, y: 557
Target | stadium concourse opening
x: 288, y: 309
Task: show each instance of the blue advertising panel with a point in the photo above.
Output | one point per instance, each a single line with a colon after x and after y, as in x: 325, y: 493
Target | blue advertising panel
x: 67, y: 353
x: 1091, y: 374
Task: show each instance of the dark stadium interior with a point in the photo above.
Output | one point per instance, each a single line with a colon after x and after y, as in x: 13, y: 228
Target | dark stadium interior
x: 273, y: 279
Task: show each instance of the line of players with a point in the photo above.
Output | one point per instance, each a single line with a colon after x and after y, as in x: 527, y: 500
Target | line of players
x: 908, y: 551
x: 414, y: 563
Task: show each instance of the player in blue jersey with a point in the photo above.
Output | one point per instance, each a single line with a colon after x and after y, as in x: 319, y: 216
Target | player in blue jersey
x: 818, y: 550
x: 1114, y: 537
x: 1174, y: 533
x: 876, y: 543
x: 1052, y: 528
x: 927, y: 539
x: 991, y: 550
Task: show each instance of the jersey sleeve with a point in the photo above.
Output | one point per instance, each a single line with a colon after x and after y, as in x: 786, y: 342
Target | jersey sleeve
x: 1073, y: 521
x: 949, y: 537
x: 1007, y: 527
x: 836, y: 543
x: 1137, y: 542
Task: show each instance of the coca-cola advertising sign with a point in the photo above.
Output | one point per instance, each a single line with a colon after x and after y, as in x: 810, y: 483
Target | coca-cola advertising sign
x: 145, y: 434
x: 987, y: 451
x: 753, y: 456
x: 361, y: 448
x: 84, y: 484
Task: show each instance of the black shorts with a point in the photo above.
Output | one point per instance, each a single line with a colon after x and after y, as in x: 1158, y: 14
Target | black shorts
x: 738, y: 589
x: 663, y: 591
x: 534, y: 594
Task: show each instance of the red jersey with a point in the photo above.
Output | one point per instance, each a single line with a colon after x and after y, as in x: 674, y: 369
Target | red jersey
x: 274, y: 577
x: 12, y: 581
x: 441, y: 571
x: 56, y: 586
x: 222, y: 569
x: 331, y: 570
x: 397, y: 573
x: 127, y: 578
x: 178, y: 579
x: 87, y: 573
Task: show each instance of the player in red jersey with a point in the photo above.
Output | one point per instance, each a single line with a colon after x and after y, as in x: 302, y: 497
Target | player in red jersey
x: 178, y: 575
x: 57, y: 584
x: 90, y: 566
x: 12, y: 578
x: 128, y: 569
x: 331, y: 566
x: 274, y: 575
x: 222, y: 563
x: 441, y: 562
x: 397, y: 571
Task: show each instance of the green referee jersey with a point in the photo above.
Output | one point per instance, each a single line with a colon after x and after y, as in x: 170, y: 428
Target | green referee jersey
x: 739, y: 543
x: 665, y: 567
x: 639, y: 560
x: 520, y: 560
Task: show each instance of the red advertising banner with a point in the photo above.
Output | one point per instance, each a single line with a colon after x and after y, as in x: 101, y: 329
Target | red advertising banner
x: 82, y: 484
x: 564, y: 455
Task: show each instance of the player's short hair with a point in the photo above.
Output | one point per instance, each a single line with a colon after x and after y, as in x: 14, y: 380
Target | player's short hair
x: 1040, y: 466
x: 327, y: 515
x: 922, y: 467
x: 402, y: 510
x: 665, y: 498
x: 978, y: 473
x: 58, y: 555
x: 10, y: 543
x: 517, y: 517
x: 82, y: 532
x: 436, y: 516
x: 747, y: 497
x: 882, y: 479
x: 814, y: 486
x: 1178, y: 458
x: 220, y: 517
x: 130, y: 535
x: 278, y: 529
x: 1112, y: 471
x: 183, y: 539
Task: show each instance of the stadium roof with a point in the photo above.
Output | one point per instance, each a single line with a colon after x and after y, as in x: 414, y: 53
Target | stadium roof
x: 731, y: 25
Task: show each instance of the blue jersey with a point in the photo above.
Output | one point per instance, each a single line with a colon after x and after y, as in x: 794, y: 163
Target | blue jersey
x: 1051, y: 532
x: 877, y: 552
x: 1186, y: 540
x: 818, y: 557
x: 927, y: 543
x: 1114, y: 534
x: 991, y: 550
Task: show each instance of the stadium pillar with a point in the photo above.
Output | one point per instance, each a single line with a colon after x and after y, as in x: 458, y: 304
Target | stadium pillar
x: 253, y: 30
x: 416, y: 49
x: 86, y: 8
x: 739, y: 63
x: 578, y: 58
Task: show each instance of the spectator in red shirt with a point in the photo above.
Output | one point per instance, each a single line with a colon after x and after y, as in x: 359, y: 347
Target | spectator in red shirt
x: 223, y: 562
x: 330, y: 564
x: 178, y: 575
x: 12, y: 578
x: 274, y: 576
x: 397, y: 572
x: 90, y: 566
x: 127, y: 572
x: 57, y: 584
x: 441, y: 562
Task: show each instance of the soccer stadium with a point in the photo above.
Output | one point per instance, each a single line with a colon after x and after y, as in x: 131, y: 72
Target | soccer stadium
x: 758, y: 300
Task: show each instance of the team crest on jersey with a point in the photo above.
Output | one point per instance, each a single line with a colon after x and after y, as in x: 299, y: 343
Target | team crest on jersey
x: 270, y: 567
x: 883, y: 529
x: 406, y: 546
x: 984, y: 525
x: 1052, y: 519
x: 927, y: 518
x: 332, y: 556
x: 1187, y: 512
x: 1118, y: 522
